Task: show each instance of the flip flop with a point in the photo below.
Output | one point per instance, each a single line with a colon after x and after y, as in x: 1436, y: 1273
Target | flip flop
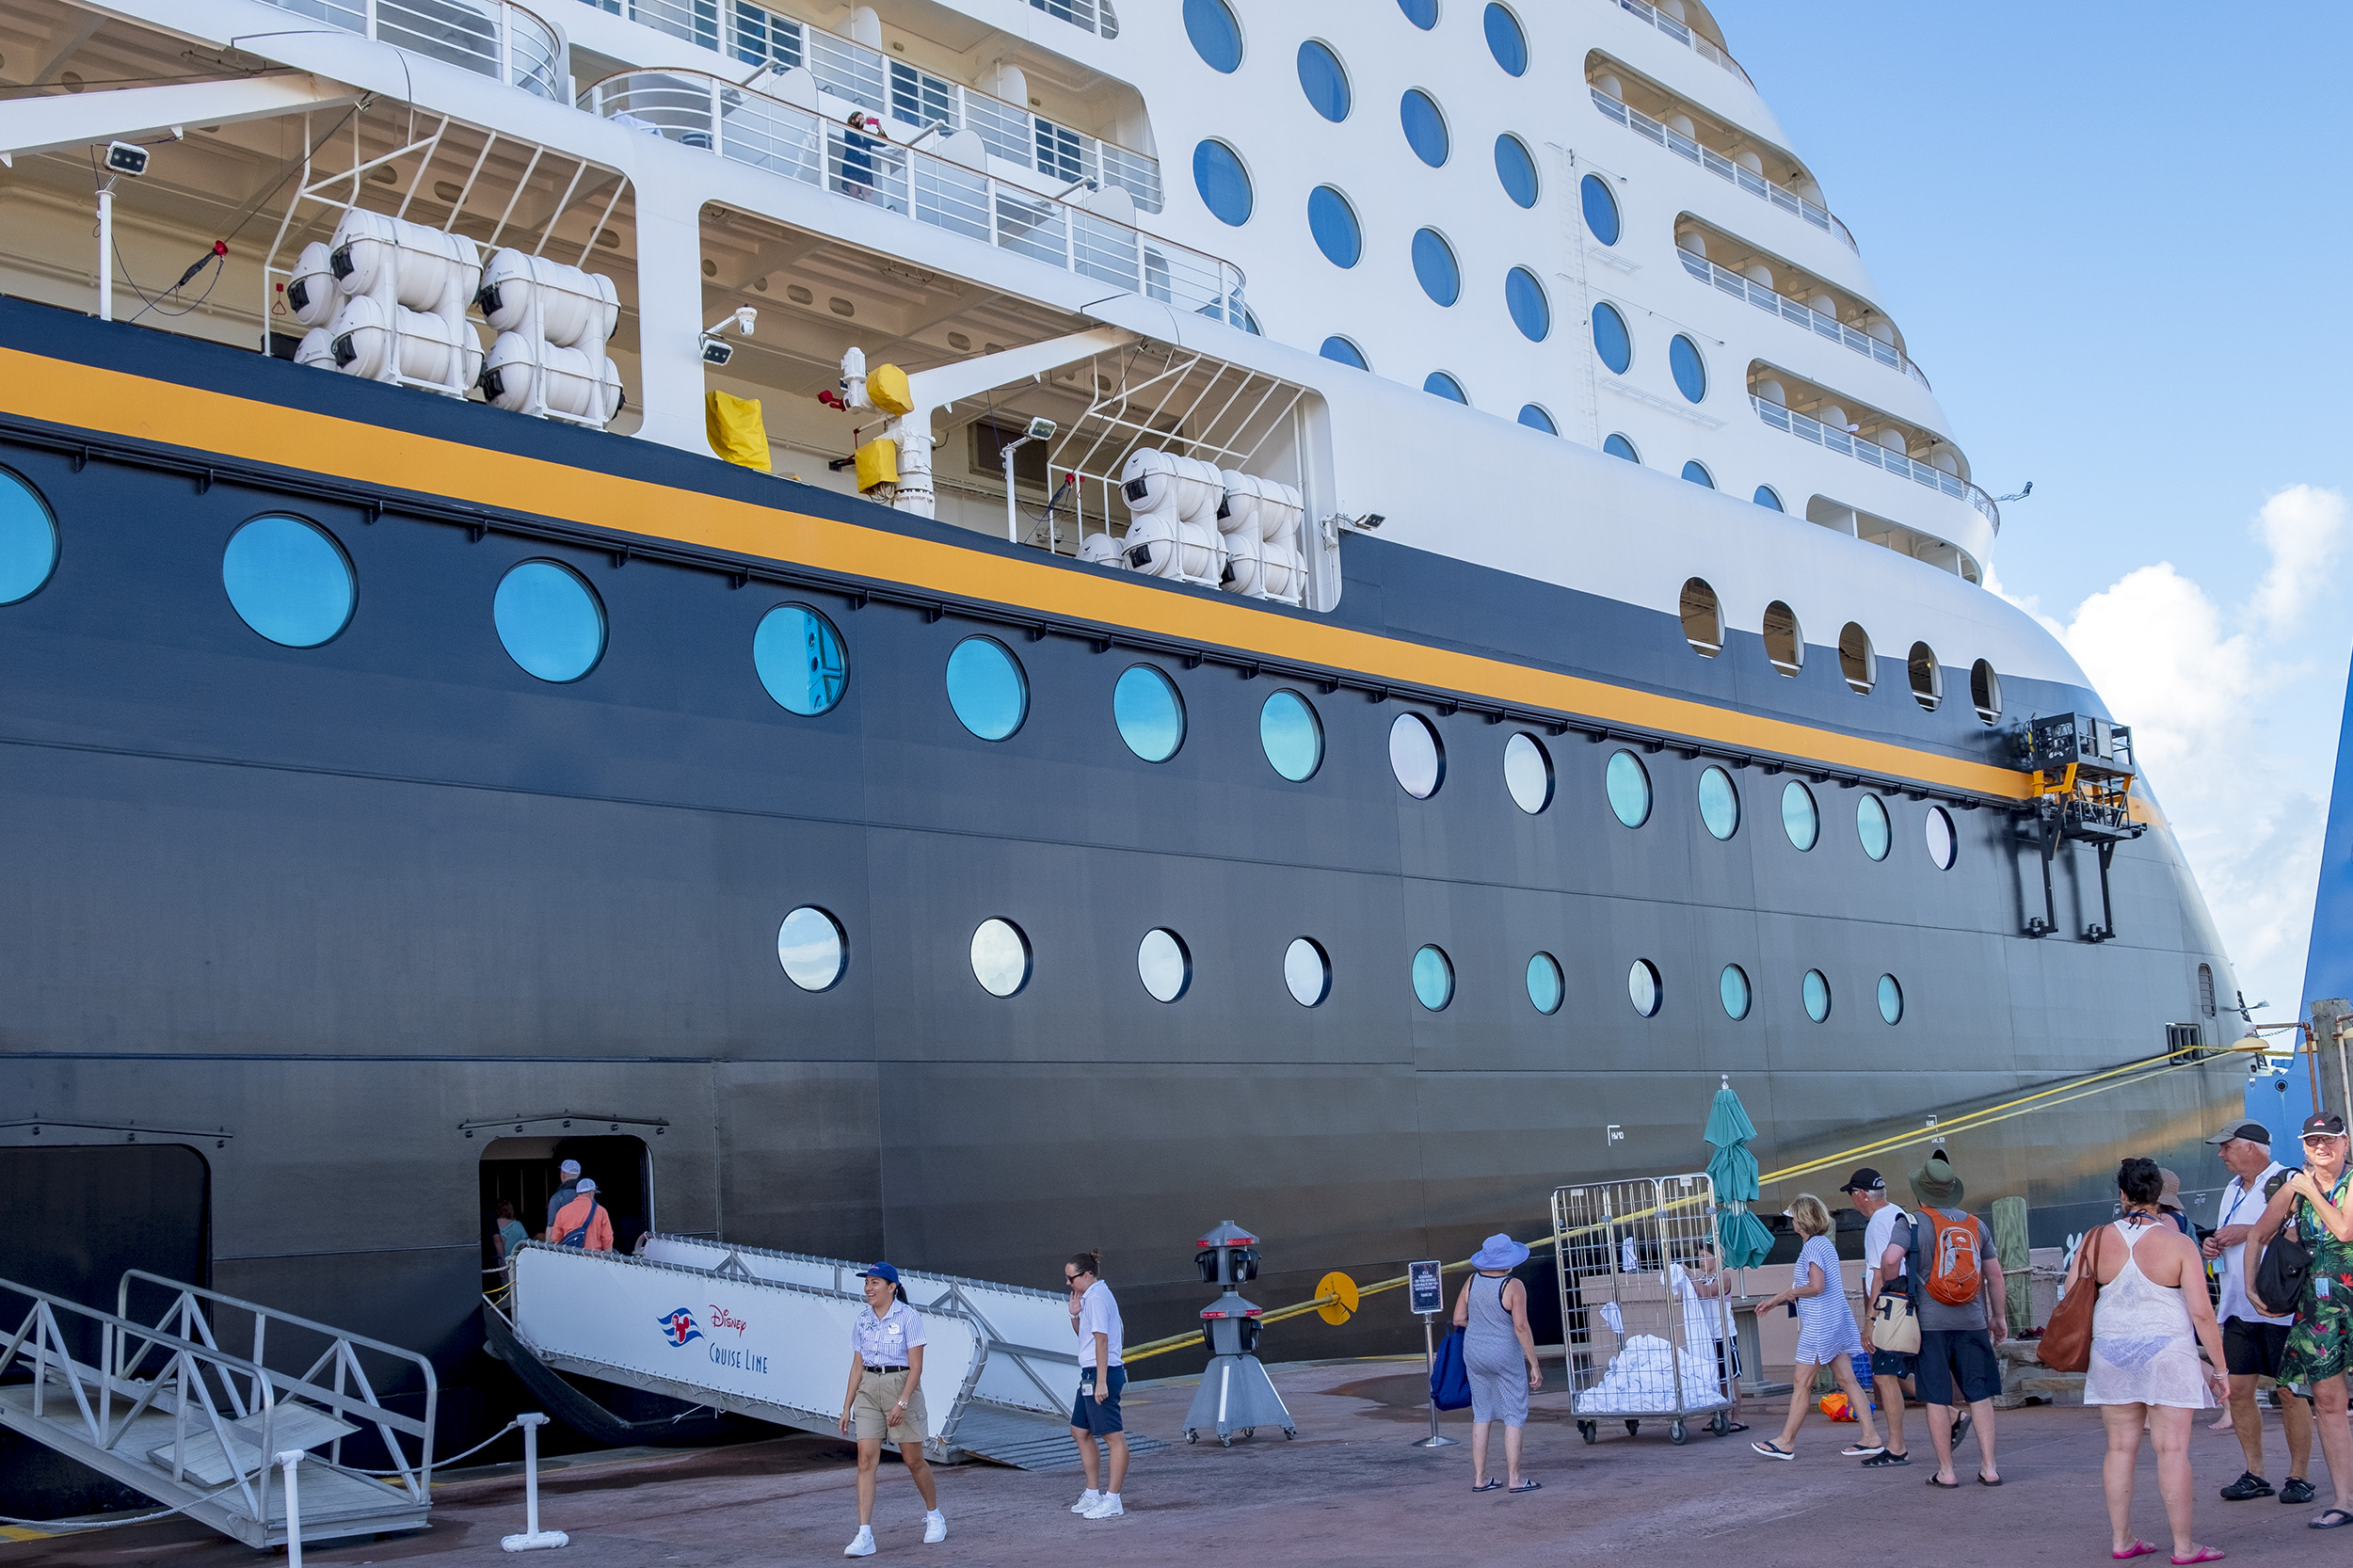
x: 1945, y: 1485
x: 2205, y: 1554
x: 2138, y: 1548
x: 1526, y: 1485
x: 1491, y: 1484
x: 1731, y: 1427
x: 1773, y: 1450
x: 2331, y: 1518
x: 1982, y: 1481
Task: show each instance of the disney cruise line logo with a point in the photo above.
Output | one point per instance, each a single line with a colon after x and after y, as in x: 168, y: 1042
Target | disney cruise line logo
x: 678, y: 1327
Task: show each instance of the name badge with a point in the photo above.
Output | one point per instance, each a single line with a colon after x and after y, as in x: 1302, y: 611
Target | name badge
x: 2320, y: 1287
x: 1086, y: 1376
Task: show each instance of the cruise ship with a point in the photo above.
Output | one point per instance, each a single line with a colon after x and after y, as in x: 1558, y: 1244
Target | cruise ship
x: 960, y: 628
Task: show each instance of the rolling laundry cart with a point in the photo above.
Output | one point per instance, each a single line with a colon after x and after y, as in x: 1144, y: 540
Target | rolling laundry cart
x: 1642, y: 1343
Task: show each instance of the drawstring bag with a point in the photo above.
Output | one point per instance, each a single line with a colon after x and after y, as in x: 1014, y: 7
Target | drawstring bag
x: 1449, y: 1378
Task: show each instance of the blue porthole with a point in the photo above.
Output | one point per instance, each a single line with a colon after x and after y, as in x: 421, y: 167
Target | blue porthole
x: 1815, y: 989
x: 1891, y: 999
x: 1720, y: 803
x: 1516, y: 168
x: 798, y: 655
x: 1506, y: 42
x: 1611, y: 341
x: 1601, y: 208
x: 1425, y: 127
x: 1731, y: 990
x: 290, y: 581
x: 1799, y: 817
x: 1768, y: 497
x: 1291, y: 735
x: 1421, y: 13
x: 1333, y: 222
x: 1697, y: 472
x: 1532, y: 313
x: 1324, y: 81
x: 1435, y: 266
x: 1690, y: 371
x: 1545, y: 988
x: 1216, y: 36
x: 1628, y: 784
x: 1433, y: 978
x: 811, y: 949
x: 29, y: 540
x: 550, y: 619
x: 1439, y: 384
x: 1149, y: 713
x: 1618, y: 446
x: 1340, y: 351
x: 1533, y: 416
x: 1870, y: 825
x: 986, y: 688
x: 1223, y: 183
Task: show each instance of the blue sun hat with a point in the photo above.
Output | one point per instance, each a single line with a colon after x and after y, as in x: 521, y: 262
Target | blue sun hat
x: 1499, y: 1252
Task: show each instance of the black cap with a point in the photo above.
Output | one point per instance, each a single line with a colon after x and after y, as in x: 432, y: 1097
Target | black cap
x: 2254, y: 1132
x: 1865, y: 1180
x: 2328, y: 1121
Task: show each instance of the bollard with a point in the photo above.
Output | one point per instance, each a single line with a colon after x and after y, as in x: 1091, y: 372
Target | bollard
x: 290, y: 1458
x: 533, y: 1537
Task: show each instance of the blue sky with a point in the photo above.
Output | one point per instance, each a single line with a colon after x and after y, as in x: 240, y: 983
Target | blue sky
x: 2117, y: 240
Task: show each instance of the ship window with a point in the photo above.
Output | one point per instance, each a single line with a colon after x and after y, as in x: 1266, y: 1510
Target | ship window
x: 1307, y: 971
x: 1696, y: 472
x: 986, y: 688
x: 1703, y: 618
x: 1985, y: 691
x: 29, y: 540
x: 1927, y: 677
x: 1425, y: 127
x: 1891, y: 999
x: 1690, y: 371
x: 1416, y: 756
x: 1340, y: 351
x: 2205, y: 989
x: 798, y: 655
x: 1516, y: 168
x: 1732, y: 988
x: 289, y: 580
x: 1815, y: 989
x: 1611, y: 341
x: 1435, y: 266
x: 1333, y: 222
x: 1942, y: 846
x: 1784, y: 641
x: 550, y: 619
x: 1533, y: 416
x: 1505, y: 41
x: 1601, y: 208
x: 1870, y: 825
x: 811, y: 949
x: 1618, y: 446
x: 1532, y: 313
x: 1324, y: 81
x: 1149, y: 713
x: 1799, y: 817
x: 1628, y: 784
x: 1720, y: 803
x: 1433, y: 978
x: 1001, y: 957
x: 1527, y: 772
x: 1766, y: 496
x: 1421, y: 13
x: 1439, y: 384
x: 1291, y: 735
x: 1643, y: 988
x: 1855, y: 658
x: 1223, y: 183
x: 1163, y: 965
x: 1216, y: 36
x: 1545, y: 987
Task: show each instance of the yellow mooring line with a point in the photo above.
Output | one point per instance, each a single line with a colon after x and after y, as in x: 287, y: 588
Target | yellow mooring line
x: 2131, y: 1073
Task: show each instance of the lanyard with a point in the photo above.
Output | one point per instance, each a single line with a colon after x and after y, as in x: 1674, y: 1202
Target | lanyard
x: 2232, y: 1212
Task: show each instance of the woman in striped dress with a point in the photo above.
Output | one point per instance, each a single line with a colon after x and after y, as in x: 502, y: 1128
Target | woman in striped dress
x: 1827, y: 1335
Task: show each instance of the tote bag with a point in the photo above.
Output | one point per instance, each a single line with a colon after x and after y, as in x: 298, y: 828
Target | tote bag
x: 2067, y: 1341
x: 1449, y: 1379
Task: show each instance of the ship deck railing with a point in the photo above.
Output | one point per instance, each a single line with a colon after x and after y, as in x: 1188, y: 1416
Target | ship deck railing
x: 1911, y: 468
x: 1683, y: 35
x: 1716, y: 164
x: 1764, y: 297
x: 496, y: 39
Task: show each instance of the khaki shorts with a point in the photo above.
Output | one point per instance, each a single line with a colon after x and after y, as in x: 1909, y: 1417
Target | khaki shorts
x: 869, y: 1412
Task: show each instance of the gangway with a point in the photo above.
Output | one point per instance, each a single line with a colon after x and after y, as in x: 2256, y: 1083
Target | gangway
x: 164, y: 1410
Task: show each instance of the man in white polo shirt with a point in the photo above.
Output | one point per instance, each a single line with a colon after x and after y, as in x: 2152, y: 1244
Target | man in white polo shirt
x: 1868, y: 1189
x: 2251, y: 1342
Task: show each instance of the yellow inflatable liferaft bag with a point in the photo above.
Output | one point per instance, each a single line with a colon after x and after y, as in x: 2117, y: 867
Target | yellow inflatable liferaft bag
x: 878, y: 463
x: 737, y: 433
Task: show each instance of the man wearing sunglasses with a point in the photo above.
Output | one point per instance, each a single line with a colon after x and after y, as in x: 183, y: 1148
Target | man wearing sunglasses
x: 2319, y: 1349
x: 1095, y: 1318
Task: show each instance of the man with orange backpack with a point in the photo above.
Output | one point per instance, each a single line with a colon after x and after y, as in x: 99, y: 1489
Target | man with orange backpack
x: 1963, y: 1309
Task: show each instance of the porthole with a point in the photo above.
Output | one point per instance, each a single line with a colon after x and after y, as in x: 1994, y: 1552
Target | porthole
x: 1433, y: 978
x: 1291, y: 736
x: 1515, y: 167
x: 1601, y: 208
x: 1333, y: 222
x: 1618, y: 446
x: 1545, y: 988
x: 1524, y: 296
x: 1855, y: 659
x: 1731, y: 990
x: 1784, y: 640
x: 1223, y: 183
x: 1768, y: 497
x: 1927, y: 677
x: 1720, y: 803
x: 550, y: 620
x: 1815, y: 989
x: 986, y: 688
x: 1643, y: 988
x: 29, y: 540
x: 1216, y: 36
x: 798, y: 657
x: 1307, y: 971
x: 1891, y: 999
x: 1435, y: 266
x: 1506, y: 42
x: 1628, y: 784
x: 1416, y: 756
x: 1164, y: 965
x: 1985, y: 692
x: 1324, y: 81
x: 1533, y: 416
x: 1149, y: 713
x: 1690, y: 371
x: 1610, y: 339
x: 290, y: 581
x: 1943, y: 844
x: 811, y: 949
x: 1870, y: 825
x: 1799, y: 817
x: 1421, y: 13
x: 1425, y: 127
x: 1001, y: 957
x: 1439, y: 384
x: 1527, y: 772
x: 1703, y: 618
x: 1696, y: 472
x: 1340, y: 351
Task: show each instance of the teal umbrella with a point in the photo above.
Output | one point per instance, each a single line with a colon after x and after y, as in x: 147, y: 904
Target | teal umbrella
x: 1740, y: 1236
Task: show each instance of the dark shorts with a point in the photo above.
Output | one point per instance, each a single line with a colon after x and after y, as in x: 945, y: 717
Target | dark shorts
x: 1101, y: 1417
x: 2253, y: 1349
x: 1894, y: 1364
x: 1962, y: 1358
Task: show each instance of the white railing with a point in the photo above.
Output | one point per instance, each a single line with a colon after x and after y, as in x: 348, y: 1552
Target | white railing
x: 1716, y: 164
x: 1804, y: 315
x: 491, y: 38
x: 743, y: 124
x: 1095, y: 16
x: 1681, y: 34
x: 1878, y: 457
x: 758, y: 35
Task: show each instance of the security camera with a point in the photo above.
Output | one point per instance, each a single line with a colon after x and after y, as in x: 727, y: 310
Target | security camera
x: 745, y: 317
x: 716, y: 349
x: 126, y: 157
x: 1041, y: 430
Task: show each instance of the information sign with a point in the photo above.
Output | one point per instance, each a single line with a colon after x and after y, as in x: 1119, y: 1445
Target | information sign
x: 1427, y: 1290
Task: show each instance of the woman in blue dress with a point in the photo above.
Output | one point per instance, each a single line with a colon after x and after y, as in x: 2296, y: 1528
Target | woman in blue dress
x: 1827, y: 1335
x: 1499, y: 1354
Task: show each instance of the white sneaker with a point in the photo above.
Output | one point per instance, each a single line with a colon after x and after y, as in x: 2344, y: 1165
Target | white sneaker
x: 862, y: 1544
x: 1087, y: 1499
x: 1106, y: 1506
x: 935, y: 1527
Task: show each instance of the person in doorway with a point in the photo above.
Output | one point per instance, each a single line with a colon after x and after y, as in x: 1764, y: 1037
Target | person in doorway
x: 1963, y: 1313
x: 510, y: 1232
x: 1095, y: 1318
x: 1499, y: 1355
x: 885, y: 1401
x: 1827, y: 1335
x: 1695, y: 1287
x: 582, y: 1222
x: 2253, y: 1342
x: 2319, y: 1348
x: 568, y: 1189
x: 1883, y: 1274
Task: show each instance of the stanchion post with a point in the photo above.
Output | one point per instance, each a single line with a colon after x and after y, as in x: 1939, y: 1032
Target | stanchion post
x: 290, y: 1458
x: 1430, y: 1367
x: 533, y: 1537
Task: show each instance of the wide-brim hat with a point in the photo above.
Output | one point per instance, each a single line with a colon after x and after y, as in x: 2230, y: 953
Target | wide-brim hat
x: 1499, y: 1252
x: 1937, y: 1184
x: 2169, y: 1194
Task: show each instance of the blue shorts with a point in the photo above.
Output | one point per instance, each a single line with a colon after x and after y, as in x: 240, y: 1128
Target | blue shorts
x: 1962, y: 1358
x: 1100, y: 1417
x: 1893, y: 1364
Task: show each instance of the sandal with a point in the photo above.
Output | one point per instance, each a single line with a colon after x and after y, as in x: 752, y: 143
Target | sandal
x: 2205, y: 1554
x: 1945, y: 1485
x: 1490, y: 1484
x: 1731, y: 1427
x: 1884, y: 1461
x: 1773, y: 1450
x: 1982, y: 1481
x: 1527, y: 1485
x: 2331, y: 1518
x: 2138, y: 1548
x: 1861, y: 1451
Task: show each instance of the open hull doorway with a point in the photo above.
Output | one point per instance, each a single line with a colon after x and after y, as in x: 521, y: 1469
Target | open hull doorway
x: 523, y: 1173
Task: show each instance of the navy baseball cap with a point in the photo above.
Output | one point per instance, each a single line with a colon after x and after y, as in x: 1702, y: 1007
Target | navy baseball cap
x: 2327, y: 1122
x: 2253, y: 1132
x: 879, y: 1271
x: 1865, y: 1180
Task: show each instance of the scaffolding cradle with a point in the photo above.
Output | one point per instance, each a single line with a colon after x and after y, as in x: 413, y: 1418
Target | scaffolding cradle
x: 2082, y: 782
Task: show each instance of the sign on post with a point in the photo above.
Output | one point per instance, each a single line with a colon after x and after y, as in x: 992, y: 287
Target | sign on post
x: 1427, y: 1290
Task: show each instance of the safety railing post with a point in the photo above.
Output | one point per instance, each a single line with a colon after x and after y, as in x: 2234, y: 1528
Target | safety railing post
x: 290, y: 1458
x: 533, y: 1537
